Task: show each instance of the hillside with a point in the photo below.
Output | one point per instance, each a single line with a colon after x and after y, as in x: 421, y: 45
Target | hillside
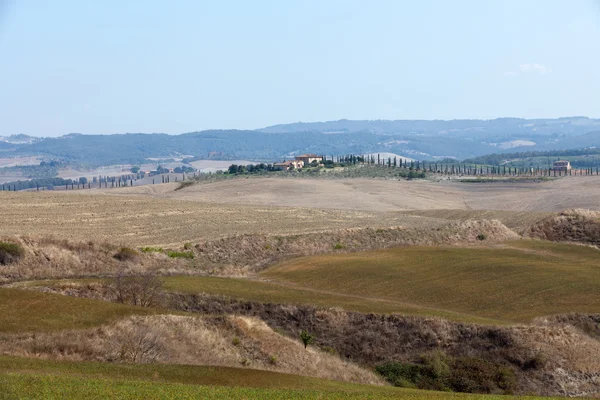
x: 422, y: 140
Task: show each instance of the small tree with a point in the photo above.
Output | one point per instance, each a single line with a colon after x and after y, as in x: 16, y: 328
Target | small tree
x: 138, y: 290
x: 307, y: 338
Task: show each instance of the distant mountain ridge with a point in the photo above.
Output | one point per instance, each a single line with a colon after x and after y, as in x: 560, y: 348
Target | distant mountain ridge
x: 572, y: 125
x: 415, y: 139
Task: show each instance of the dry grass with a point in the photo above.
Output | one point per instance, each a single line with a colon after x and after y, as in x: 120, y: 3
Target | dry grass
x: 148, y: 221
x: 187, y: 340
x: 542, y: 356
x: 249, y: 253
x: 50, y: 258
x: 581, y: 226
x: 518, y: 221
x: 392, y: 195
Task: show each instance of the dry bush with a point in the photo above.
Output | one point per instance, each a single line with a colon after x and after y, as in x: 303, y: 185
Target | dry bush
x: 578, y: 225
x: 127, y: 254
x: 136, y: 344
x: 187, y: 340
x: 49, y: 258
x: 138, y: 290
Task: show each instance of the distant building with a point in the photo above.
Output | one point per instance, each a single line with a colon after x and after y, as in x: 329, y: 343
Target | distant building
x: 287, y: 165
x: 562, y: 165
x: 307, y: 159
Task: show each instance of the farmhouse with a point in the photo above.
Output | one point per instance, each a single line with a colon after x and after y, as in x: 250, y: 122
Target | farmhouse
x: 287, y: 165
x: 309, y: 158
x: 562, y: 165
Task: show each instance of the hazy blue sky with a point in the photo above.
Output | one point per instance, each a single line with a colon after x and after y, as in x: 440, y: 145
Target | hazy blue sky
x: 157, y: 66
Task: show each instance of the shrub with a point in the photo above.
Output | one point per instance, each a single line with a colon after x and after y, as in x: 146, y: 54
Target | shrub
x: 187, y: 246
x: 338, y: 246
x: 181, y: 254
x: 10, y: 252
x: 536, y: 362
x: 138, y: 290
x: 476, y: 375
x: 126, y: 254
x: 437, y: 371
x: 272, y: 360
x: 400, y: 374
x: 235, y: 341
x: 137, y: 344
x: 481, y: 236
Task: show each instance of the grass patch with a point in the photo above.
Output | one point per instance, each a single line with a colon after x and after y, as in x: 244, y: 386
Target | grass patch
x: 152, y: 249
x: 10, y: 252
x: 29, y: 311
x: 523, y: 280
x: 272, y: 292
x: 40, y: 379
x: 181, y: 254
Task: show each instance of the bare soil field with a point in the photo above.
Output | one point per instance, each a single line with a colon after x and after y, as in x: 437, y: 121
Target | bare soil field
x: 148, y: 220
x: 161, y: 215
x: 392, y: 195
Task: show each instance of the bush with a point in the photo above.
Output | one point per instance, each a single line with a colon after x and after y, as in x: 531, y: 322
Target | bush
x: 137, y: 344
x: 10, y: 253
x: 187, y: 246
x: 138, y: 290
x: 437, y: 371
x: 181, y: 254
x: 126, y: 254
x: 338, y: 246
x: 481, y: 236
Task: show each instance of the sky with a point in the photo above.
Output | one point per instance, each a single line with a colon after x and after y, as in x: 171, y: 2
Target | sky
x: 117, y: 66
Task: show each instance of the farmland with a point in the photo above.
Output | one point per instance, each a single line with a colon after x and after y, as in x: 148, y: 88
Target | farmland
x: 401, y: 267
x: 145, y: 220
x: 22, y: 378
x: 31, y: 311
x: 516, y: 283
x: 511, y: 283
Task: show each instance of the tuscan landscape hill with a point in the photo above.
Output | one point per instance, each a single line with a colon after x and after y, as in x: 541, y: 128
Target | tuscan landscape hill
x: 423, y: 140
x: 418, y: 273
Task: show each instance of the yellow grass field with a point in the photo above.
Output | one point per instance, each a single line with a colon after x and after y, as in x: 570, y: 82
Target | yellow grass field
x: 390, y: 195
x: 145, y: 220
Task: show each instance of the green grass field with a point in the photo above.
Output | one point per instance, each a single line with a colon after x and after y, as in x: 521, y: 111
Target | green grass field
x: 273, y: 292
x: 28, y: 311
x: 38, y: 379
x: 516, y: 283
x: 490, y: 285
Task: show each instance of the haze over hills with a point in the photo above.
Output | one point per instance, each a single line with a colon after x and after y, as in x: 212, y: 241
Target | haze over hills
x: 417, y: 139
